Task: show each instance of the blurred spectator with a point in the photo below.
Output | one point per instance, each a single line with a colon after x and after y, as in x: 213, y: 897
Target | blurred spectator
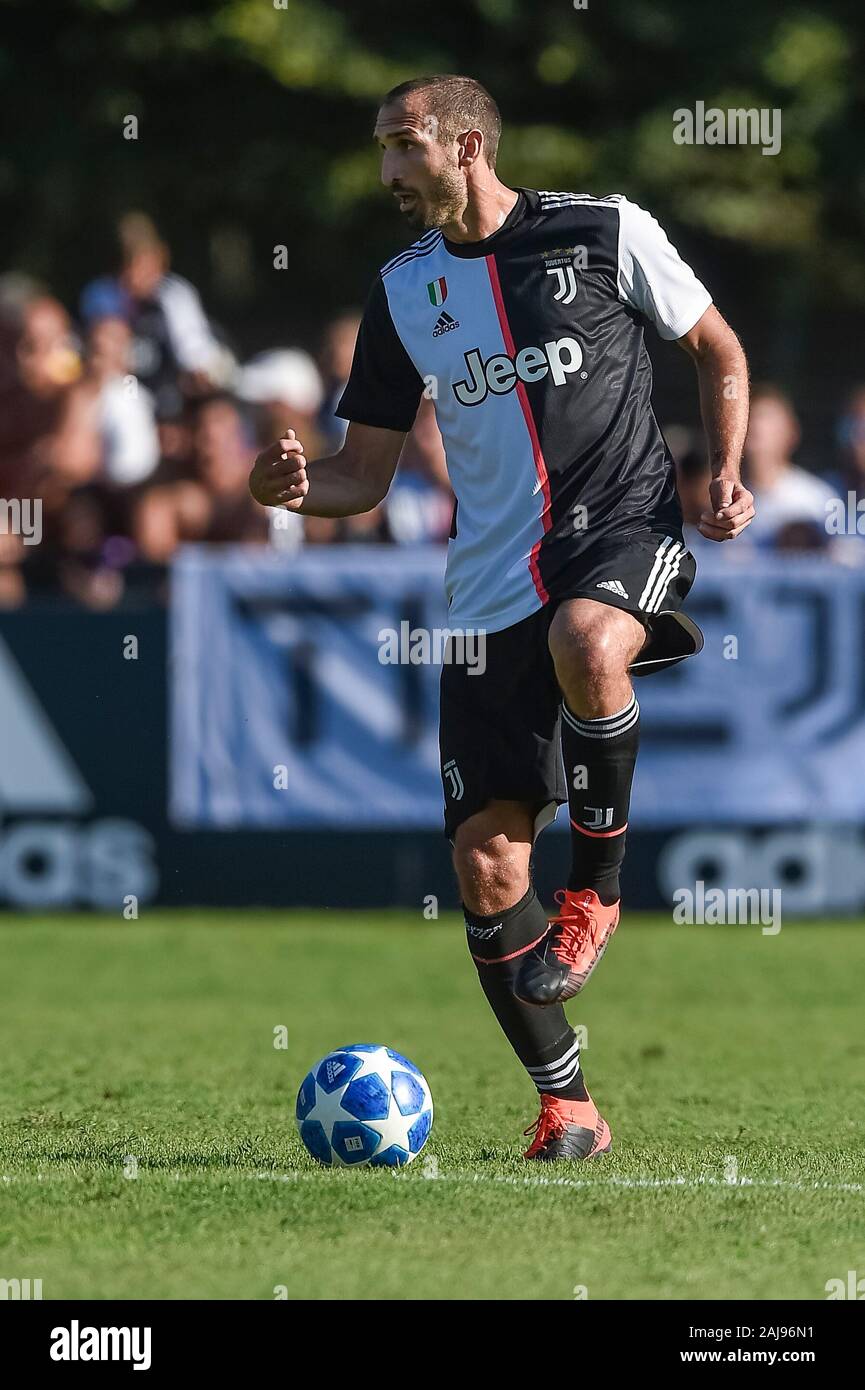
x: 88, y: 567
x: 790, y: 502
x: 214, y: 504
x: 175, y: 350
x: 286, y: 392
x: 47, y: 355
x: 420, y: 502
x: 107, y: 428
x: 39, y: 361
x: 419, y: 505
x: 175, y: 434
x: 337, y: 351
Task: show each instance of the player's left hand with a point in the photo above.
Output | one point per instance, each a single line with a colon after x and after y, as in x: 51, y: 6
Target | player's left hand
x: 732, y: 509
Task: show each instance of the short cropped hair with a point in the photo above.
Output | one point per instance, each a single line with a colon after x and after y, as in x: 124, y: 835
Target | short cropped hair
x: 460, y: 104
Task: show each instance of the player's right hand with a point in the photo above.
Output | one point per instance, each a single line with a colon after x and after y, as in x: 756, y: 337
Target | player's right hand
x: 278, y: 477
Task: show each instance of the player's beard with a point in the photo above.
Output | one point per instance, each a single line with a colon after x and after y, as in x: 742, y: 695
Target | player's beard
x: 443, y: 203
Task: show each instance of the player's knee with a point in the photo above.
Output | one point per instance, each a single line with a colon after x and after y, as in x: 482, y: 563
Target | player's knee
x: 592, y: 650
x: 585, y: 655
x: 491, y: 869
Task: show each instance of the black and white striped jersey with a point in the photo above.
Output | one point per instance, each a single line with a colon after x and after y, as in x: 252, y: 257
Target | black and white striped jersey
x: 531, y: 345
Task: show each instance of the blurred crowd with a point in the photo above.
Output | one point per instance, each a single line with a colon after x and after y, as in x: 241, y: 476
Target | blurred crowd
x: 135, y: 424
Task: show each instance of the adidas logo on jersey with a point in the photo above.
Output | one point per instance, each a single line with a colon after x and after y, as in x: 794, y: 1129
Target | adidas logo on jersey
x: 444, y: 324
x: 615, y: 586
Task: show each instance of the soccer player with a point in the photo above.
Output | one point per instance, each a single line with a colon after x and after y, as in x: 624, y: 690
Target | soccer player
x: 522, y: 315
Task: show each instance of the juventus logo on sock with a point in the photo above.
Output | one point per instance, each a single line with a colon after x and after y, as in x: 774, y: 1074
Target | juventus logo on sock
x: 604, y: 751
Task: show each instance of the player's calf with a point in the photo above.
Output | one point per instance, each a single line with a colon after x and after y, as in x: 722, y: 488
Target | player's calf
x: 505, y: 922
x: 592, y: 646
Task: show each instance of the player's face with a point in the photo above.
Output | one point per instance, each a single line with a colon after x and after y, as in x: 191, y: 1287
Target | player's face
x: 422, y: 173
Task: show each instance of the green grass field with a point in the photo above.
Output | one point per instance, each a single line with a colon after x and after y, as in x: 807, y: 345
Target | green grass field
x: 155, y: 1039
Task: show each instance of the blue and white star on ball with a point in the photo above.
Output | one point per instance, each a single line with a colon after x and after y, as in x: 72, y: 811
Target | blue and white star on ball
x: 364, y: 1105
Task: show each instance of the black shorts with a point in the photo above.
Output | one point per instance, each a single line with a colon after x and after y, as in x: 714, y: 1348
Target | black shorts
x: 499, y: 733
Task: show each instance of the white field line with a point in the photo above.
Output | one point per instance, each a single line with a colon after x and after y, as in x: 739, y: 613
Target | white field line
x: 500, y: 1179
x: 581, y: 1184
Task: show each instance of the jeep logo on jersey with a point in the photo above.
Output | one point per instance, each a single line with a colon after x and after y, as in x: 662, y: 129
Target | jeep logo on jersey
x: 501, y: 373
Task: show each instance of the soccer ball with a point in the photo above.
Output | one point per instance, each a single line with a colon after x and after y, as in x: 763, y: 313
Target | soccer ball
x: 364, y: 1105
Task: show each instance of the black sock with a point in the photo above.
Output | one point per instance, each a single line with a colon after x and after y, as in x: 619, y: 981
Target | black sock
x: 543, y: 1039
x: 599, y: 759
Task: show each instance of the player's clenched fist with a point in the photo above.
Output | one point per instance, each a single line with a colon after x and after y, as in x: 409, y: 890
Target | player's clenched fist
x: 732, y: 509
x: 278, y: 477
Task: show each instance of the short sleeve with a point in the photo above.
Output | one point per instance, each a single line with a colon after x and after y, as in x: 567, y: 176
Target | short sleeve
x: 653, y: 278
x: 384, y: 387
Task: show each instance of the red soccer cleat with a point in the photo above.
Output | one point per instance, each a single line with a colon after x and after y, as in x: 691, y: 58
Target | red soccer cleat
x: 568, y: 1129
x: 562, y: 962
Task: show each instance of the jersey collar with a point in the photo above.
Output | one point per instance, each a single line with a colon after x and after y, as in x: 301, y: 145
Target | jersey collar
x: 467, y: 250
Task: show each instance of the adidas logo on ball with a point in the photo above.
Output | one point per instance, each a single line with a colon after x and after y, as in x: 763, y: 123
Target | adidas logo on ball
x: 364, y: 1105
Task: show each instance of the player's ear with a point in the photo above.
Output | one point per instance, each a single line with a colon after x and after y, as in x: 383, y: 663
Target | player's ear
x: 471, y: 147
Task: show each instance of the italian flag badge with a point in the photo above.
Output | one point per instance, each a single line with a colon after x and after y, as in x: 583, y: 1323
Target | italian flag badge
x: 437, y: 291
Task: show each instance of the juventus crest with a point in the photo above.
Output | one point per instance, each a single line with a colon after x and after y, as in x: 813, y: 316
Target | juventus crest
x: 563, y: 264
x: 455, y: 781
x: 566, y: 283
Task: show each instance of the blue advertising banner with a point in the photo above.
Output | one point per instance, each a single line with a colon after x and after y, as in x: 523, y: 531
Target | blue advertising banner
x: 285, y: 708
x: 242, y: 762
x: 304, y: 694
x: 768, y: 722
